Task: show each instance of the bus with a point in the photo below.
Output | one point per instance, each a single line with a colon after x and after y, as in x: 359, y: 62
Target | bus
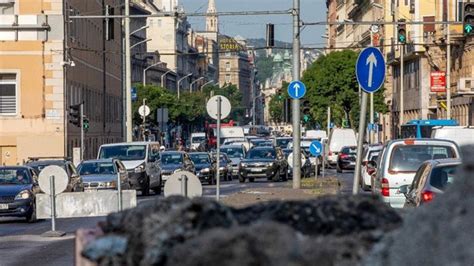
x: 422, y: 128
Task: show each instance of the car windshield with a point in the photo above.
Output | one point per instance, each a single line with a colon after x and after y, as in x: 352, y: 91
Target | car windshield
x: 199, y: 158
x: 96, y: 168
x: 233, y: 152
x: 12, y: 176
x: 38, y: 167
x: 282, y: 142
x: 349, y: 150
x: 443, y: 176
x: 261, y: 154
x: 123, y: 152
x: 198, y: 139
x: 410, y: 157
x: 409, y: 131
x: 169, y: 158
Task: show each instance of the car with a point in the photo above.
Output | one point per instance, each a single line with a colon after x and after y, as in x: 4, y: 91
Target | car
x: 75, y: 182
x: 102, y: 174
x: 370, y: 153
x: 431, y: 179
x: 18, y: 189
x: 306, y: 167
x: 399, y: 162
x: 461, y: 135
x: 141, y: 160
x: 225, y: 166
x: 338, y: 138
x: 261, y: 143
x: 204, y: 166
x: 282, y: 142
x: 197, y: 139
x: 174, y: 161
x: 235, y: 153
x: 268, y: 162
x: 346, y: 158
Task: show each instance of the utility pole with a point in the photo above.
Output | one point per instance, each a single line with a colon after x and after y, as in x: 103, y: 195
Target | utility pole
x: 329, y: 120
x: 81, y: 125
x: 448, y: 65
x: 402, y: 87
x: 128, y: 73
x: 296, y: 102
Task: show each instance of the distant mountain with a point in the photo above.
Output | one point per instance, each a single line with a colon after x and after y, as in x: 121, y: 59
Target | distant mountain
x: 259, y: 43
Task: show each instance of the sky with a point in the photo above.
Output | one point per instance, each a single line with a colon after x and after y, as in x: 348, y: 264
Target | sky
x: 254, y: 27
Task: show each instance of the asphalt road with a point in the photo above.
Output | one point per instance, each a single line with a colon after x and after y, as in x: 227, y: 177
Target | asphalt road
x: 21, y: 243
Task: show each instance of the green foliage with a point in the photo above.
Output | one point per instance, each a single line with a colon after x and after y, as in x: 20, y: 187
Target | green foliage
x: 265, y: 68
x: 277, y: 102
x: 331, y: 81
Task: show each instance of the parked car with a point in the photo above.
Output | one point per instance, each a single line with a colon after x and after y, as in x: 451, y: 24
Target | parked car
x: 18, y: 189
x: 235, y: 153
x: 306, y: 167
x: 225, y: 166
x: 399, y: 162
x: 460, y: 135
x: 431, y: 179
x: 346, y: 159
x: 338, y: 138
x: 175, y: 161
x: 204, y: 166
x: 102, y: 174
x: 265, y: 162
x: 141, y: 160
x: 75, y: 182
x: 370, y: 153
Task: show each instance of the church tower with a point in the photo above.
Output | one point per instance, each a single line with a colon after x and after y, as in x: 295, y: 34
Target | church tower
x: 212, y: 22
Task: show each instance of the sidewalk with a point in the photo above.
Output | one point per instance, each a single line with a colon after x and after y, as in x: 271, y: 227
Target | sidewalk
x: 310, y: 189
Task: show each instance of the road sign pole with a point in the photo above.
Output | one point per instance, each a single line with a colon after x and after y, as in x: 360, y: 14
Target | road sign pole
x: 53, y: 204
x: 81, y: 124
x: 402, y: 89
x: 119, y: 192
x: 184, y: 186
x: 296, y: 102
x: 360, y: 143
x: 143, y: 120
x: 218, y: 144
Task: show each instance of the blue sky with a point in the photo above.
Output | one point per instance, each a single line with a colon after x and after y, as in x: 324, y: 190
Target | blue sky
x: 254, y: 27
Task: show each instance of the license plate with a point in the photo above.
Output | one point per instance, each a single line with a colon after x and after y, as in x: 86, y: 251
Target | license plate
x: 256, y: 170
x: 3, y: 206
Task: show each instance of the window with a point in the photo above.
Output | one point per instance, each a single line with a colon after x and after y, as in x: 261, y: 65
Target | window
x: 227, y: 66
x: 8, y: 94
x: 227, y: 78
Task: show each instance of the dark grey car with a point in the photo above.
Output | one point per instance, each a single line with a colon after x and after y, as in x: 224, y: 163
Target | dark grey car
x: 102, y: 174
x: 75, y: 182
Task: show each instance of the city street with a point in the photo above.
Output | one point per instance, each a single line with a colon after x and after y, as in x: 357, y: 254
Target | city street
x: 21, y: 243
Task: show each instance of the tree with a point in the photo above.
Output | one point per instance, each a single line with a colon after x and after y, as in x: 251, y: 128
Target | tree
x: 331, y: 81
x: 265, y: 68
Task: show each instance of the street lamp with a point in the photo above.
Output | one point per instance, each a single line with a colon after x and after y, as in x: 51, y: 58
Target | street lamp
x: 140, y: 29
x: 194, y: 82
x: 207, y: 83
x: 179, y: 81
x: 145, y: 70
x: 163, y: 78
x: 138, y: 43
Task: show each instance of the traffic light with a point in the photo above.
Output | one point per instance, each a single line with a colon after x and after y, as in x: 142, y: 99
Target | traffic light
x: 306, y: 111
x: 263, y: 101
x: 402, y: 32
x: 270, y: 35
x: 279, y: 95
x: 85, y: 123
x: 75, y: 115
x: 468, y: 19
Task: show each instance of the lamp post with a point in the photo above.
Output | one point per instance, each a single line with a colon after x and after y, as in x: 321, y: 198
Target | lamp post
x: 145, y: 70
x: 138, y: 43
x: 194, y: 82
x: 207, y: 83
x: 180, y: 80
x: 163, y: 78
x: 254, y: 109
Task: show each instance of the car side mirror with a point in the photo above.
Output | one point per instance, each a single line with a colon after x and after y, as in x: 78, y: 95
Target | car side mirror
x: 404, y: 189
x: 372, y: 164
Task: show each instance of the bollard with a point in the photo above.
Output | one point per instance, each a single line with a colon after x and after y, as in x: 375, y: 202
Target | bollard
x: 184, y: 185
x: 316, y: 171
x: 53, y: 203
x: 119, y: 192
x: 324, y: 164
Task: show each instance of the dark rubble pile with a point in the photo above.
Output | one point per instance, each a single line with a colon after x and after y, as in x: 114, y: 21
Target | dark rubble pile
x: 439, y: 233
x: 177, y: 231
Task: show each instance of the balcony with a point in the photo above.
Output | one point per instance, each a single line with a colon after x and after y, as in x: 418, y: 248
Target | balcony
x: 23, y: 27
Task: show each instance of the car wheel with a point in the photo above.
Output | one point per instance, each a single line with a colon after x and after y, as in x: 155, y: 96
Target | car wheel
x: 251, y: 179
x: 241, y: 179
x: 146, y: 189
x: 157, y: 190
x: 276, y: 177
x: 31, y: 217
x: 285, y: 176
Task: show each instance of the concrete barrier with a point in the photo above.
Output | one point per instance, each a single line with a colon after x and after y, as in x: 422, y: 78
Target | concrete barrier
x: 84, y: 204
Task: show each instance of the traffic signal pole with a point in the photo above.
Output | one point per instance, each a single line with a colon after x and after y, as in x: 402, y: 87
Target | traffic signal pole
x: 81, y: 125
x: 448, y: 66
x: 296, y: 102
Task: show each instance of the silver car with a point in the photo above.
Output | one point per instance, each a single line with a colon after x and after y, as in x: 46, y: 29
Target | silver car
x: 103, y: 174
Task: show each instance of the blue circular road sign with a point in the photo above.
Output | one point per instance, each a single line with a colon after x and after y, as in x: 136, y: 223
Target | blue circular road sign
x: 370, y: 69
x: 296, y: 89
x: 316, y: 148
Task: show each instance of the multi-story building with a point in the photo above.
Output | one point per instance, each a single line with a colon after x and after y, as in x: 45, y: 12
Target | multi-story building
x: 43, y: 62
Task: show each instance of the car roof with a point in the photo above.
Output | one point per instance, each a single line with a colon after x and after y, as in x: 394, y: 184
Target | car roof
x: 444, y: 162
x: 232, y: 146
x: 99, y: 161
x: 173, y: 152
x: 198, y: 152
x: 421, y: 141
x: 15, y: 167
x: 43, y: 162
x: 129, y: 143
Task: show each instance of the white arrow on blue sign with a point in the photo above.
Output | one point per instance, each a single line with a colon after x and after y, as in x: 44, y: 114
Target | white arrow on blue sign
x: 370, y: 69
x: 296, y: 89
x: 316, y: 148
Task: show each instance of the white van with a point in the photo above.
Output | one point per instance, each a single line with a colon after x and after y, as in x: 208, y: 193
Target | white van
x: 339, y: 137
x: 460, y: 135
x: 232, y: 133
x: 315, y: 134
x: 197, y: 139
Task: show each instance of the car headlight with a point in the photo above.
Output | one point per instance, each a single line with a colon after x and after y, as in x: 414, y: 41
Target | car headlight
x: 243, y: 165
x: 25, y: 194
x: 205, y: 170
x: 140, y: 168
x: 221, y: 168
x: 270, y: 164
x: 112, y: 184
